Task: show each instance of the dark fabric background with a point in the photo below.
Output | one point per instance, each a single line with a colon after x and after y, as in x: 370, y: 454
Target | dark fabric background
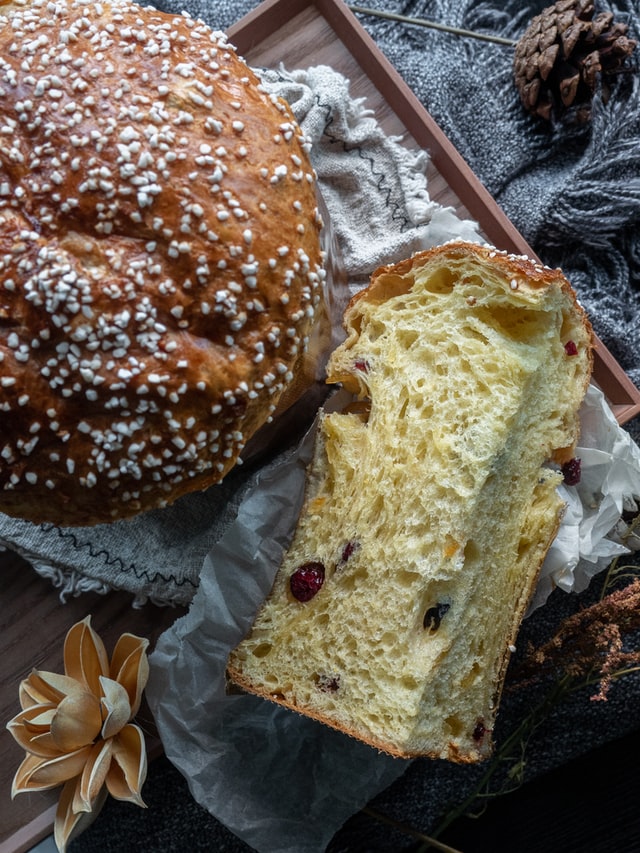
x: 575, y: 195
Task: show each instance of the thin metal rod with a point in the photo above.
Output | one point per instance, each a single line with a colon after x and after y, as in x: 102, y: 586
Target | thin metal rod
x: 434, y: 25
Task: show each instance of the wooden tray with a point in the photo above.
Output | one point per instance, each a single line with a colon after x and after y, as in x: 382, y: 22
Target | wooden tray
x: 301, y: 33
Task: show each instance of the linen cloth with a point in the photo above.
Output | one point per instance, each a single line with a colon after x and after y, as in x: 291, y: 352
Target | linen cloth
x: 575, y: 195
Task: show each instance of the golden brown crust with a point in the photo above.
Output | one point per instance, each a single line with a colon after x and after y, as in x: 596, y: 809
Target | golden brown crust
x: 159, y: 258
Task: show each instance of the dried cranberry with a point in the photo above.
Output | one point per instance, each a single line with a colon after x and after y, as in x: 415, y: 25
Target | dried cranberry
x: 570, y: 348
x: 362, y: 365
x: 433, y: 616
x: 306, y: 581
x: 348, y: 551
x: 480, y: 731
x: 571, y: 471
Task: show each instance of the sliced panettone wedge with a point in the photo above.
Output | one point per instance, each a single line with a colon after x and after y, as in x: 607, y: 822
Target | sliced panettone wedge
x: 430, y: 505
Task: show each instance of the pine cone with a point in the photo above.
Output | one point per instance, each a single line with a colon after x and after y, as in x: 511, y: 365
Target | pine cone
x: 563, y: 54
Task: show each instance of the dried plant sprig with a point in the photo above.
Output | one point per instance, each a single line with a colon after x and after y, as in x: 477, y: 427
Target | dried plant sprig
x: 429, y: 842
x: 588, y: 645
x: 506, y: 770
x: 433, y: 25
x: 508, y: 763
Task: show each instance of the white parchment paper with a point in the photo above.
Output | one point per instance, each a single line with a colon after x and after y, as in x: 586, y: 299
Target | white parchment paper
x: 590, y: 534
x: 282, y: 782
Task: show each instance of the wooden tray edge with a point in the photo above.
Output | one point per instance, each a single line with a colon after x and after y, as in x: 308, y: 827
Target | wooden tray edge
x: 29, y: 835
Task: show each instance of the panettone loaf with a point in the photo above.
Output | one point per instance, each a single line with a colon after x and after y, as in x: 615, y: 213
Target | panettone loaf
x: 160, y: 262
x: 430, y: 505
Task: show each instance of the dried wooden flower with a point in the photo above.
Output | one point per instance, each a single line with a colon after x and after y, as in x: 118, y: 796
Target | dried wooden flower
x: 76, y: 728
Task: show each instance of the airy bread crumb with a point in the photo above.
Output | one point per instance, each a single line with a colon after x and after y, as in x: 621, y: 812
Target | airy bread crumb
x: 430, y: 508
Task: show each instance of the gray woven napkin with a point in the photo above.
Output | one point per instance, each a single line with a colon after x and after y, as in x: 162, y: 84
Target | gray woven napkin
x: 379, y: 211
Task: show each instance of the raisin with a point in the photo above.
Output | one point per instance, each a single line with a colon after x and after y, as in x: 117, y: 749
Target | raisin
x: 571, y: 471
x: 328, y: 683
x: 480, y: 731
x: 433, y: 616
x: 348, y: 551
x: 307, y: 580
x: 570, y: 348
